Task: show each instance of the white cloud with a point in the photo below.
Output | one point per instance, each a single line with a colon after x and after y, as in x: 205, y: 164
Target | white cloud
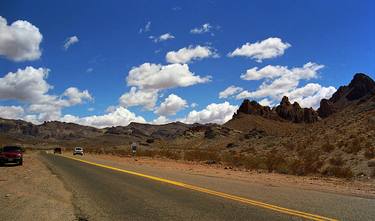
x: 29, y: 86
x: 202, y: 29
x: 156, y: 76
x: 171, y: 105
x: 89, y: 70
x: 281, y: 81
x: 70, y: 41
x: 193, y: 105
x: 265, y: 102
x: 77, y: 97
x: 268, y: 48
x: 118, y: 117
x: 163, y: 37
x: 11, y: 112
x: 146, y: 28
x: 19, y: 41
x: 286, y: 80
x: 213, y: 113
x: 185, y: 55
x: 229, y: 91
x: 311, y: 94
x: 146, y: 98
x: 26, y: 85
x: 268, y: 71
x: 161, y: 120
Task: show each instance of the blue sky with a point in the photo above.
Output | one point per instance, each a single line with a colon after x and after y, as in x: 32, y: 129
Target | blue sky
x: 336, y: 37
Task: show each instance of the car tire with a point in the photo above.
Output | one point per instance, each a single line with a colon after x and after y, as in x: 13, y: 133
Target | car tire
x: 20, y: 162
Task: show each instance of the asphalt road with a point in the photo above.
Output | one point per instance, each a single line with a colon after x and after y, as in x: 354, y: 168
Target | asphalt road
x: 105, y: 194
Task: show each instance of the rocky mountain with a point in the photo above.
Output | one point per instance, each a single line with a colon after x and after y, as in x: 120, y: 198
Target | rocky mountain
x: 362, y: 87
x: 284, y: 111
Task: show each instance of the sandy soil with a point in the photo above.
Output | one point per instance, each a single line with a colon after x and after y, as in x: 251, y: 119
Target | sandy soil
x: 32, y: 192
x: 324, y: 184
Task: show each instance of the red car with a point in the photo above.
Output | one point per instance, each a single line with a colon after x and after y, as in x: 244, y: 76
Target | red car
x: 11, y: 154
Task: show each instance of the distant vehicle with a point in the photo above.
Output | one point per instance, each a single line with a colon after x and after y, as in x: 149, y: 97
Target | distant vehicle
x: 78, y: 150
x: 11, y: 154
x: 57, y: 150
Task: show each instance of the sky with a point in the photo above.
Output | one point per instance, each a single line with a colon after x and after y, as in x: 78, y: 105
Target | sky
x: 109, y: 63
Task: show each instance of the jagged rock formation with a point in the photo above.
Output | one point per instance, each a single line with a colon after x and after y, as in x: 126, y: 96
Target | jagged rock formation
x: 295, y: 113
x: 361, y: 87
x: 285, y: 111
x: 253, y: 107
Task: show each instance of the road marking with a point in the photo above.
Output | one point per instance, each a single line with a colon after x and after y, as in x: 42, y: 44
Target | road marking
x: 280, y: 209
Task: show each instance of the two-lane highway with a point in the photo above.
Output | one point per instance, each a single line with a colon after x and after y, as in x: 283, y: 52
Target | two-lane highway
x: 105, y: 193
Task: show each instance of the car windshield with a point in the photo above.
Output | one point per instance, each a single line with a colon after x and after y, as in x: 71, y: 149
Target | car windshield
x: 12, y: 149
x: 78, y: 148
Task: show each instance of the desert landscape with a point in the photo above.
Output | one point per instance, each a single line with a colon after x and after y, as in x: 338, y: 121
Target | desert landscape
x: 336, y: 140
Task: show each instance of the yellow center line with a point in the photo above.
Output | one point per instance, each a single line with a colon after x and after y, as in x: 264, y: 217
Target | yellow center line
x: 280, y: 209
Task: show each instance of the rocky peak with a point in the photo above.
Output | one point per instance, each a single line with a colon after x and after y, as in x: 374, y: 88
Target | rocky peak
x: 295, y: 113
x: 254, y: 108
x: 361, y: 86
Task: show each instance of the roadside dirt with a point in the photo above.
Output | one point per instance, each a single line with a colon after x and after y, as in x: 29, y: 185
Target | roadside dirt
x: 171, y: 168
x: 32, y: 192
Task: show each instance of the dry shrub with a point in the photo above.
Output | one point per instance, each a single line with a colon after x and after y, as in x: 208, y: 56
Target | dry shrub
x: 309, y: 161
x: 327, y: 147
x: 147, y: 153
x: 337, y: 171
x: 275, y: 161
x: 369, y: 153
x: 296, y: 167
x: 201, y: 155
x: 169, y: 154
x: 354, y: 146
x: 336, y: 161
x: 252, y: 162
x: 231, y: 159
x: 290, y: 146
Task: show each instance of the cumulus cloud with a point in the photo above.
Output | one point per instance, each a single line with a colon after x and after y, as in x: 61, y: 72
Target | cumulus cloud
x: 11, y: 112
x: 29, y: 86
x: 213, y: 113
x: 281, y: 81
x: 19, y: 41
x: 146, y: 28
x: 229, y: 91
x: 75, y: 96
x: 171, y: 105
x: 163, y: 37
x: 311, y: 94
x: 185, y: 55
x: 161, y: 120
x: 268, y: 48
x: 202, y: 29
x: 70, y: 41
x: 146, y: 98
x: 118, y: 117
x: 156, y: 76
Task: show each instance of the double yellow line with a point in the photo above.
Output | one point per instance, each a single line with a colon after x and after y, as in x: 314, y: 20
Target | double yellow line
x: 292, y: 212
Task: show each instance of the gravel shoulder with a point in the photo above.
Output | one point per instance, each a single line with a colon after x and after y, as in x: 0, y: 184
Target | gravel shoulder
x: 33, y: 192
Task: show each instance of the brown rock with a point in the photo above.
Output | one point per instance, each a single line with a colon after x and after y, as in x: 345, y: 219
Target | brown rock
x: 295, y: 113
x: 326, y: 108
